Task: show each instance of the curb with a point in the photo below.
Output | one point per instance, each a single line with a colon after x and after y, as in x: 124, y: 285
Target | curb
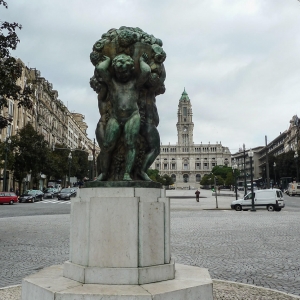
x: 10, y: 286
x: 255, y: 287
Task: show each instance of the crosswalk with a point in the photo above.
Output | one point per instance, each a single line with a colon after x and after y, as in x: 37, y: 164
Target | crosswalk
x: 53, y: 201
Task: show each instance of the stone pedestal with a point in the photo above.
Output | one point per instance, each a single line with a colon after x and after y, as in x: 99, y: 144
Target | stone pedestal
x: 119, y: 249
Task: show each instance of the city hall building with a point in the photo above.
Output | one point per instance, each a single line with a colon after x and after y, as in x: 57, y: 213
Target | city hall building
x: 187, y: 162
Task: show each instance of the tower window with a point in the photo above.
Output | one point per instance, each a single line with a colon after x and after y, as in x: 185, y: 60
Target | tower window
x: 184, y: 111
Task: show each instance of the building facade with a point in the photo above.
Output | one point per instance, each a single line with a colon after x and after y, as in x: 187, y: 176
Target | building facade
x: 187, y: 162
x: 48, y: 116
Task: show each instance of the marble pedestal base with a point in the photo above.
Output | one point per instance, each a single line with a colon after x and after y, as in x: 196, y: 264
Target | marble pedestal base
x: 190, y: 283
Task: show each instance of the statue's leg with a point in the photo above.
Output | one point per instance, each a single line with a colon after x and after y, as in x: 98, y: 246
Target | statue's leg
x: 111, y: 136
x: 100, y: 139
x: 153, y: 140
x: 132, y: 128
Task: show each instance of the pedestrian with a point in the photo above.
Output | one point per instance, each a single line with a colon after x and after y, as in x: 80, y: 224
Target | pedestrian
x: 17, y: 191
x: 197, y: 195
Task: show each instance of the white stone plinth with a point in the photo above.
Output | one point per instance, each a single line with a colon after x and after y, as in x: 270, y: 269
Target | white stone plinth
x: 190, y: 283
x: 120, y: 236
x: 139, y: 275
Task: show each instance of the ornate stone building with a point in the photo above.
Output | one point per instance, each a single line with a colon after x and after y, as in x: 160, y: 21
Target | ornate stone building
x: 49, y: 116
x: 187, y: 162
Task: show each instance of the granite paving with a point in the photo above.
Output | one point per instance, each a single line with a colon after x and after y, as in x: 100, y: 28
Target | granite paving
x: 260, y: 249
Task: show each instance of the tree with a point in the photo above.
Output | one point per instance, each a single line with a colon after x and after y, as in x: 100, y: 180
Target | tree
x: 229, y: 179
x: 10, y: 69
x: 31, y: 154
x: 164, y: 180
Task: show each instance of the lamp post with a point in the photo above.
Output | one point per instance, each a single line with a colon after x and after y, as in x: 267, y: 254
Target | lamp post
x: 274, y: 166
x: 245, y: 181
x: 69, y: 161
x: 8, y: 141
x: 90, y: 159
x: 250, y: 153
x: 296, y: 158
x: 234, y: 167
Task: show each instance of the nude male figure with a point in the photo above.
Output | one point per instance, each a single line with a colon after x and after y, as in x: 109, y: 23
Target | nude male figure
x: 123, y: 89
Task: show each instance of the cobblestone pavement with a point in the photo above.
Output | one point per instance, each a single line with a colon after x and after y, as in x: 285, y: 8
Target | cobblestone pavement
x: 259, y: 248
x: 28, y: 244
x: 234, y: 291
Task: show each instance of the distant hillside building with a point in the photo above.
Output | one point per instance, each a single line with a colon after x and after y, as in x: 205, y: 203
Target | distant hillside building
x: 187, y: 162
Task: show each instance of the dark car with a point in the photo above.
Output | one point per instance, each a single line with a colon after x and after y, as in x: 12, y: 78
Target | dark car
x: 31, y: 196
x: 50, y: 193
x: 66, y: 194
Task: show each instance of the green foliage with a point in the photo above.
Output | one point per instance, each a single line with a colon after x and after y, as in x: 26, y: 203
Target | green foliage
x: 229, y: 179
x: 31, y: 153
x: 209, y: 179
x: 10, y: 69
x: 206, y: 180
x: 164, y: 180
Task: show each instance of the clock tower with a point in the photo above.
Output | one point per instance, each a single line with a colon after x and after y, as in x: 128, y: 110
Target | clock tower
x: 185, y: 125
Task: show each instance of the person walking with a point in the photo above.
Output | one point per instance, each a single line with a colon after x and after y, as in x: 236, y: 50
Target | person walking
x: 197, y: 195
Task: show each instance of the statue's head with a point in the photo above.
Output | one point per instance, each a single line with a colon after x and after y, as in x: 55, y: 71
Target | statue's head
x: 123, y: 65
x: 159, y: 54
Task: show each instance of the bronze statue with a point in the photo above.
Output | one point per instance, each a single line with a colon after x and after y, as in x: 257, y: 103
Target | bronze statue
x: 129, y: 73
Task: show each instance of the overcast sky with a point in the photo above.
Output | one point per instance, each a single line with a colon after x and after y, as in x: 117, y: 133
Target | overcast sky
x: 239, y: 60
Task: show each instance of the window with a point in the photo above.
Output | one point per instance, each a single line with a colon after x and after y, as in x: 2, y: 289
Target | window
x: 185, y: 178
x: 173, y: 176
x: 157, y: 166
x: 184, y: 111
x: 165, y: 166
x: 185, y: 166
x: 198, y: 177
x: 197, y: 166
x: 173, y: 166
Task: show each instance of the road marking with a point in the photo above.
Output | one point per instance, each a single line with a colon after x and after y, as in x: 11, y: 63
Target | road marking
x: 54, y: 202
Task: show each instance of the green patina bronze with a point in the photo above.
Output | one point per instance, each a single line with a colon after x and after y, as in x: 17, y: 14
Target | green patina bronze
x: 129, y: 74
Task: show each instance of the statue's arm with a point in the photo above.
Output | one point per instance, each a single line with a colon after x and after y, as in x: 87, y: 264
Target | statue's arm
x: 101, y: 69
x: 145, y: 70
x: 162, y: 76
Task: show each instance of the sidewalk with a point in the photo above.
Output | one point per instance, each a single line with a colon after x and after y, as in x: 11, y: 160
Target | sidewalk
x: 186, y: 200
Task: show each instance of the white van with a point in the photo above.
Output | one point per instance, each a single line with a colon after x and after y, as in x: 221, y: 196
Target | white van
x: 293, y: 189
x: 272, y: 199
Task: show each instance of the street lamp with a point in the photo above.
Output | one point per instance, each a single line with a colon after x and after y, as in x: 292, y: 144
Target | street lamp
x: 274, y: 165
x: 8, y: 141
x: 250, y: 153
x: 296, y: 158
x: 70, y: 161
x: 90, y: 159
x: 234, y: 167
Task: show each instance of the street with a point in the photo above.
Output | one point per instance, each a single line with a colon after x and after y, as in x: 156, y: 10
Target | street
x: 258, y: 248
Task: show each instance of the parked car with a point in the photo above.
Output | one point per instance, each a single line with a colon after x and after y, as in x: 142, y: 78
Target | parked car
x: 272, y: 199
x: 8, y: 197
x: 31, y: 196
x: 50, y: 193
x: 66, y: 194
x: 293, y: 189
